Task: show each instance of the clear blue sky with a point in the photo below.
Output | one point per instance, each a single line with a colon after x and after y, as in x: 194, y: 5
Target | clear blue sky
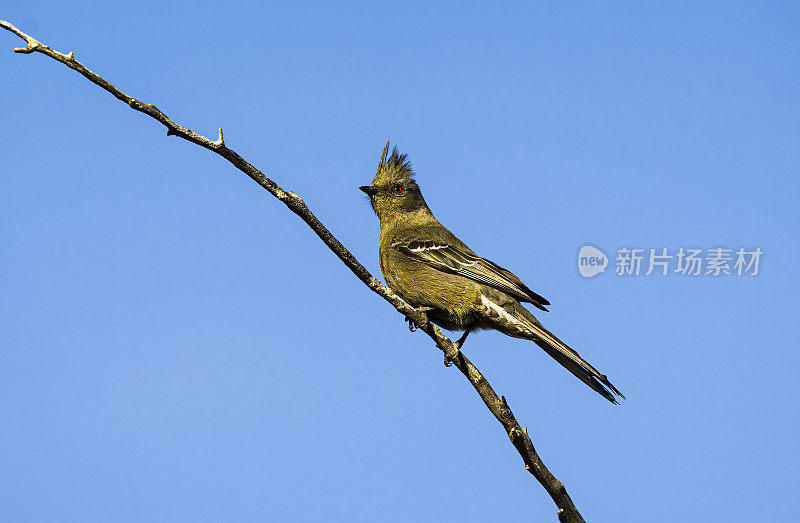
x: 176, y: 346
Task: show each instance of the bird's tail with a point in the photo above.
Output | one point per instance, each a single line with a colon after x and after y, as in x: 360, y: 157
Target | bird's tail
x: 572, y: 361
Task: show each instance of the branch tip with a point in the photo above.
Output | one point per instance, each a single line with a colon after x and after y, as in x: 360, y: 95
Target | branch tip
x: 33, y: 44
x: 26, y: 50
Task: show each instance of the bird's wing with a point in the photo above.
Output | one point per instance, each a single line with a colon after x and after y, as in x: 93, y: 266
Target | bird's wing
x: 458, y: 259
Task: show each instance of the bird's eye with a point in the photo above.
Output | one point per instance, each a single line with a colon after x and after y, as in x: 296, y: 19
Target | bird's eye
x: 398, y: 189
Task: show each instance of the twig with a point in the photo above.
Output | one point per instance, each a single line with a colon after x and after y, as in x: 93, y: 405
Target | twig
x: 567, y: 513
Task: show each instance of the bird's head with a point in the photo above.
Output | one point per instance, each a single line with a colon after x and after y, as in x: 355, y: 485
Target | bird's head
x: 393, y: 192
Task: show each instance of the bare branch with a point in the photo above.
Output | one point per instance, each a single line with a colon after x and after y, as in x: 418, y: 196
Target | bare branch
x: 567, y: 512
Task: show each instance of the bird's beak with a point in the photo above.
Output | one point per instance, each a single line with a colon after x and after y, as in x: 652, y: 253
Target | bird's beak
x: 368, y: 189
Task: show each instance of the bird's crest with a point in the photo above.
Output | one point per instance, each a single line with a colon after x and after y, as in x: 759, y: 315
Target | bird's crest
x: 395, y: 167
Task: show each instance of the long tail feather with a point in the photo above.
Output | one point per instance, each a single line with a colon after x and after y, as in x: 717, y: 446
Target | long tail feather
x: 504, y: 313
x: 573, y: 362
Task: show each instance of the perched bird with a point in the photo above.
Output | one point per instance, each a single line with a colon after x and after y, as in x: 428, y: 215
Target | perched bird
x: 429, y: 267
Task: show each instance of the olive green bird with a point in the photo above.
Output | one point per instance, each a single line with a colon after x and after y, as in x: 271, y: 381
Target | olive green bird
x: 430, y: 268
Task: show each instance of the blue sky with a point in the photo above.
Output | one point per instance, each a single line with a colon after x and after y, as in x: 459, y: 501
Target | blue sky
x: 176, y: 346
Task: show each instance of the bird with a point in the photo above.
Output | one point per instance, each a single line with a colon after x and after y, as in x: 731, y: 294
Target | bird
x: 430, y: 268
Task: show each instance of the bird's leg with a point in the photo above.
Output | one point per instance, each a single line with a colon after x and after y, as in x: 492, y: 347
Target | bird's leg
x: 459, y: 343
x: 413, y: 326
x: 463, y: 338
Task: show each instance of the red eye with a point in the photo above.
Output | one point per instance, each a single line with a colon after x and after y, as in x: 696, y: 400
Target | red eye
x: 398, y: 189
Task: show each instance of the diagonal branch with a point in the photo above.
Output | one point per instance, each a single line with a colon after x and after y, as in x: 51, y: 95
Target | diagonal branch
x: 567, y: 513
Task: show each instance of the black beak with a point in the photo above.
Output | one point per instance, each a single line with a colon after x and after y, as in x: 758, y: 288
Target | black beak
x: 368, y: 189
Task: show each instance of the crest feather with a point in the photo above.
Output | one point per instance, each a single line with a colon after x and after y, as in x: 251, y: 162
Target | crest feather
x: 394, y: 167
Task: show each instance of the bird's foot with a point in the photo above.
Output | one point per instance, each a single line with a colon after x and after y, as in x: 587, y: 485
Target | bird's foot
x: 412, y: 325
x: 448, y: 360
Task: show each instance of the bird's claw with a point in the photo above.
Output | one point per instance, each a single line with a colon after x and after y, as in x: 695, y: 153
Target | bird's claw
x: 412, y: 325
x: 448, y: 361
